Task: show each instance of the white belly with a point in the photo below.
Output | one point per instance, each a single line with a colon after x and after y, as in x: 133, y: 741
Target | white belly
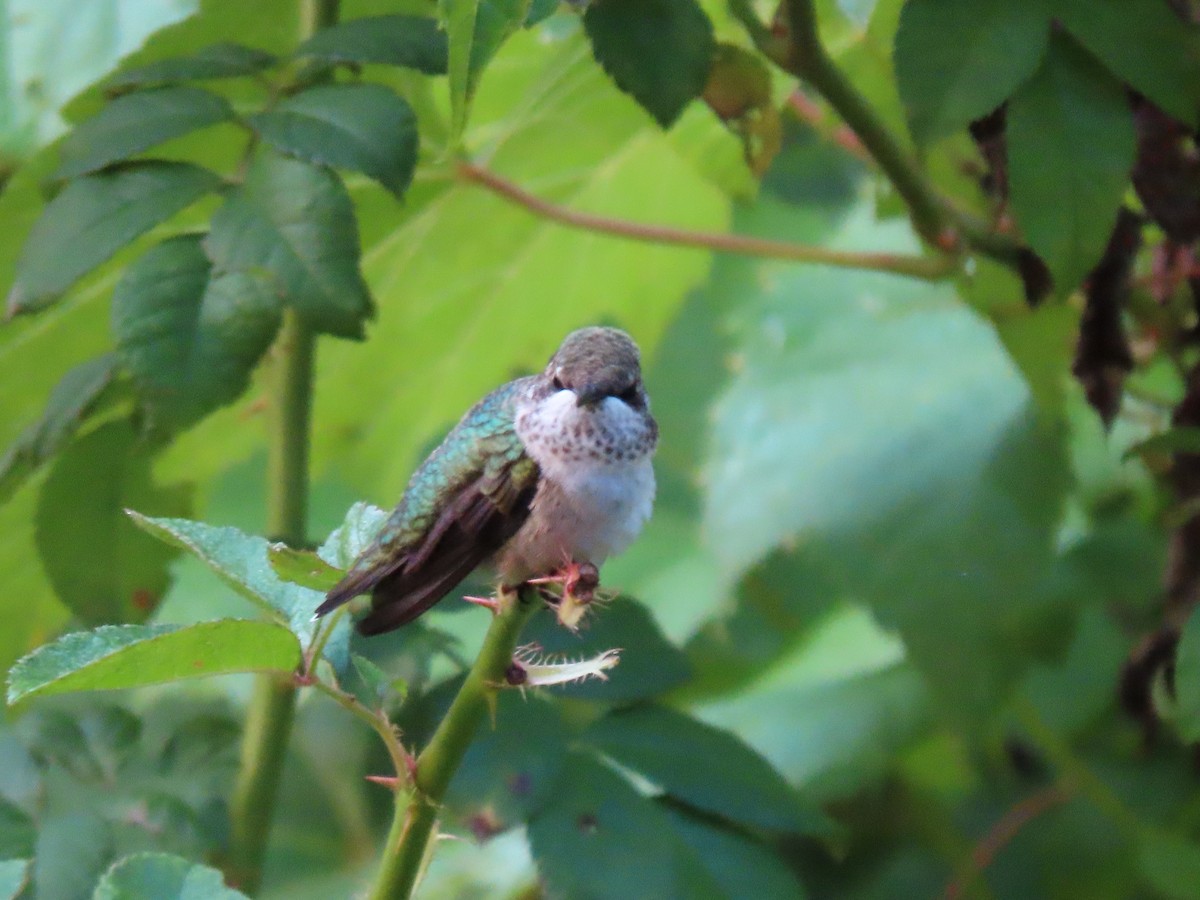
x: 597, y: 487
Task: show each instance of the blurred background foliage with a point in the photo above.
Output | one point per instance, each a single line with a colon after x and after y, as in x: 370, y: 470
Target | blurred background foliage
x: 899, y: 550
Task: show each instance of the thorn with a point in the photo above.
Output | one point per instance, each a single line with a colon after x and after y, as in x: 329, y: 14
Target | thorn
x: 489, y: 602
x: 391, y: 782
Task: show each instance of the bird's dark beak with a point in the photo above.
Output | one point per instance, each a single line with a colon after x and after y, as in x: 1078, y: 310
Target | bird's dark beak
x: 589, y: 394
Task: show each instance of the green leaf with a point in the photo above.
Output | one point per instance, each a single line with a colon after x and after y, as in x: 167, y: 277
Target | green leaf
x: 511, y: 769
x: 94, y: 217
x: 1144, y: 43
x: 190, y: 337
x: 346, y: 542
x: 295, y: 222
x: 13, y: 875
x: 363, y: 127
x: 659, y: 51
x: 841, y: 376
x: 649, y: 665
x: 416, y: 42
x: 1181, y: 439
x: 742, y: 867
x: 136, y: 122
x: 224, y: 60
x: 1187, y: 680
x: 125, y: 656
x: 80, y: 392
x: 598, y: 838
x: 159, y: 876
x: 74, y: 846
x: 956, y: 61
x: 101, y: 567
x: 1170, y: 863
x: 475, y: 29
x: 17, y: 832
x: 241, y: 562
x: 1070, y: 148
x: 378, y: 682
x: 705, y: 767
x: 303, y: 567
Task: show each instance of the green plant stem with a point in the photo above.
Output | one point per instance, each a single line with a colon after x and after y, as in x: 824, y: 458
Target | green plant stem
x: 933, y: 216
x: 414, y: 822
x: 272, y: 708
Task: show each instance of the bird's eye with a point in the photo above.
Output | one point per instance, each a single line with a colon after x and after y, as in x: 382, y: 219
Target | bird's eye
x: 631, y: 396
x: 557, y: 383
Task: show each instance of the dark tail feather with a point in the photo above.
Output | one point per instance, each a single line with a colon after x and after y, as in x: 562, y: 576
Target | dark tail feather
x: 400, y: 597
x: 353, y: 585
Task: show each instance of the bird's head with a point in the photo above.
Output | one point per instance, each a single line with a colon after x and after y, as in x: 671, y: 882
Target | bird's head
x: 595, y: 363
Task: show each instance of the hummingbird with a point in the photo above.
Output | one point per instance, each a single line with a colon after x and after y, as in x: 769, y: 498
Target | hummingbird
x: 546, y: 472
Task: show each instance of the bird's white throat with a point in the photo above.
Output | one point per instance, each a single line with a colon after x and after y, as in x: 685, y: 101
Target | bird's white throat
x: 599, y: 458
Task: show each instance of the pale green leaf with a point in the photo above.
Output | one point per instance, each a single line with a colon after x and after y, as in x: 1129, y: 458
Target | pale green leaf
x: 13, y: 876
x: 125, y: 656
x: 159, y: 876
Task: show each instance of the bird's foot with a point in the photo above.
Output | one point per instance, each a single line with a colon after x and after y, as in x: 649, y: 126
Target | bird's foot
x: 579, y: 581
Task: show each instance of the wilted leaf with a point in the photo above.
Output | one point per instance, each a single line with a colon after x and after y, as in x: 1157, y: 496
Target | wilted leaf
x: 124, y: 656
x: 295, y: 222
x: 224, y: 60
x: 159, y: 876
x: 136, y: 122
x: 100, y: 565
x: 363, y: 127
x: 413, y: 41
x: 190, y: 336
x: 1070, y: 150
x: 94, y: 217
x: 659, y: 51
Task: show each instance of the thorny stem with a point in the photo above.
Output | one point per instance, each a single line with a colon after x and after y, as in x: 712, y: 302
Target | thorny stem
x: 377, y: 720
x: 272, y: 708
x: 415, y: 821
x: 929, y: 268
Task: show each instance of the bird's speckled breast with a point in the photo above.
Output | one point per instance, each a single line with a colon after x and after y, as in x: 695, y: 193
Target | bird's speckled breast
x: 597, y: 487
